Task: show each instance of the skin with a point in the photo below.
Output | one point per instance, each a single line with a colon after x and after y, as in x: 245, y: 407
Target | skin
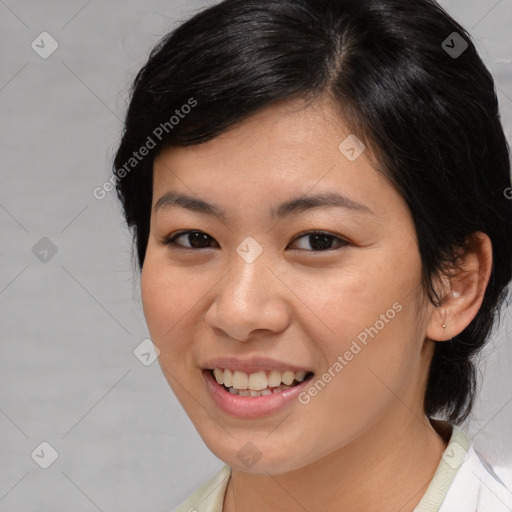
x: 364, y: 439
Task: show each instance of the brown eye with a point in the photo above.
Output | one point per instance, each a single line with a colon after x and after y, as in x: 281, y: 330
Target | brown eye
x: 314, y: 241
x: 319, y: 241
x: 193, y: 240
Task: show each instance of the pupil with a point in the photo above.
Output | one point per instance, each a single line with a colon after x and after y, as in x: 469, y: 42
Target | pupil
x: 321, y: 242
x: 196, y: 238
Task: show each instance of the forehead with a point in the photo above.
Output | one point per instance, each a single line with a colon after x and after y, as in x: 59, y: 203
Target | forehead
x: 289, y: 149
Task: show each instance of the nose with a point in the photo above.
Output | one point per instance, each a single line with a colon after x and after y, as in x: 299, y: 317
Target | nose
x: 250, y: 301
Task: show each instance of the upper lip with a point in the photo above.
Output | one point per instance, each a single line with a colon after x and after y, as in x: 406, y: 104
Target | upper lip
x: 251, y: 365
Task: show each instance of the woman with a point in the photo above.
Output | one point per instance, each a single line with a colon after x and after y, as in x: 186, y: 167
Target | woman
x: 317, y: 192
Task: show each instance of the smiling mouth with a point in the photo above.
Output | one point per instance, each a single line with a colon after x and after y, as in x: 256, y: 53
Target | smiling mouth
x: 259, y: 383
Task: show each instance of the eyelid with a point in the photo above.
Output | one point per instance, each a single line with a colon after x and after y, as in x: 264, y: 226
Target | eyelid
x: 169, y: 240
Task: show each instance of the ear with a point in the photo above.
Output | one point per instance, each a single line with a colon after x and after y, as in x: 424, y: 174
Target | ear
x: 462, y: 294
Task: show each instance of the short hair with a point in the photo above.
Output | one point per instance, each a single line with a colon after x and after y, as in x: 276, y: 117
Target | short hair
x: 406, y: 85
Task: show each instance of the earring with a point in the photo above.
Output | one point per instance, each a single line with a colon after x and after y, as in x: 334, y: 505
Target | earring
x: 444, y: 326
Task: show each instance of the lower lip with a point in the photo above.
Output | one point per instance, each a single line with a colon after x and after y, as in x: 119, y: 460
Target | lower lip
x: 250, y: 406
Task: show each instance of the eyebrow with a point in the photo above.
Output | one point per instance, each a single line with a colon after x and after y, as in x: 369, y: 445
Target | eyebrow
x: 295, y: 205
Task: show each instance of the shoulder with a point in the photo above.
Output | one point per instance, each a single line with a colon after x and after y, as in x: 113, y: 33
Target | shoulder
x: 209, y: 497
x: 476, y: 487
x: 463, y: 481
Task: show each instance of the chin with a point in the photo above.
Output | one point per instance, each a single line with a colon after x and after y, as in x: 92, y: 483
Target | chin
x: 257, y: 454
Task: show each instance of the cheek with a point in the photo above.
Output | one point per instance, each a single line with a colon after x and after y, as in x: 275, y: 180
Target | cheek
x: 367, y: 328
x: 167, y: 297
x: 157, y: 300
x: 349, y: 301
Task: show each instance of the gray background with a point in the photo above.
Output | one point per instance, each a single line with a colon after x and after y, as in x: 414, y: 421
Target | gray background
x: 68, y: 375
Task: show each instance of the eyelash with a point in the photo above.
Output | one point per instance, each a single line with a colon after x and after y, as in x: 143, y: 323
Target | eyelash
x: 171, y: 240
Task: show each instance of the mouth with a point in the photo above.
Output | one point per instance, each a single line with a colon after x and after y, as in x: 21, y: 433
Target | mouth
x: 260, y: 383
x: 254, y: 387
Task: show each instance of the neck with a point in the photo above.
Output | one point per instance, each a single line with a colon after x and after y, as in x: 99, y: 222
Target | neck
x: 390, y: 465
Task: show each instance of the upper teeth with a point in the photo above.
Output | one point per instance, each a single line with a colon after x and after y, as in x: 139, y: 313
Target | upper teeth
x: 256, y: 381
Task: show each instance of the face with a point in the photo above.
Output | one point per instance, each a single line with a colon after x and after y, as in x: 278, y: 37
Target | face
x: 306, y: 309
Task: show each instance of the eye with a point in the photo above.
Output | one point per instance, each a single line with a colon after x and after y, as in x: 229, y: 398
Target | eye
x: 195, y: 239
x: 320, y: 241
